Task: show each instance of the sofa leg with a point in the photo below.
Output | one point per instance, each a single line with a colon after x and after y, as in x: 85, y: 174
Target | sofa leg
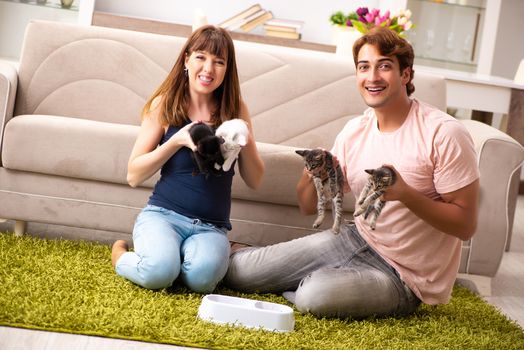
x: 476, y: 283
x: 20, y: 227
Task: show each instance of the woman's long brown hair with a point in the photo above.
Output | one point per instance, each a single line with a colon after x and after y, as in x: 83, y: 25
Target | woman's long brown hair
x: 174, y: 90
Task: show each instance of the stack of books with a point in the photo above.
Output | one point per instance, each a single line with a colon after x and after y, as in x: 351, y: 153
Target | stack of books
x: 248, y: 19
x: 284, y: 28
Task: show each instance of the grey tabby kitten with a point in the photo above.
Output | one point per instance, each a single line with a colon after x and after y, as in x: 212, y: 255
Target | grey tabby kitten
x: 329, y: 184
x: 369, y: 201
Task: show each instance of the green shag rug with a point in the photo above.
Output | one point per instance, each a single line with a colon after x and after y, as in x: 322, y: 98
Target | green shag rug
x: 70, y: 286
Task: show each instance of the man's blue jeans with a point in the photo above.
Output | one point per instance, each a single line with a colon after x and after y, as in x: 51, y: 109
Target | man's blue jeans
x: 325, y: 274
x: 167, y: 244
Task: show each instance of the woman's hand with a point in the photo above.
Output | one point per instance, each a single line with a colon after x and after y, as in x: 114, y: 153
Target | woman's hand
x: 183, y: 138
x: 147, y: 157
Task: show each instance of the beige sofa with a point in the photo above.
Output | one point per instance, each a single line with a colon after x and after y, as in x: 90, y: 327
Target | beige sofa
x: 70, y: 114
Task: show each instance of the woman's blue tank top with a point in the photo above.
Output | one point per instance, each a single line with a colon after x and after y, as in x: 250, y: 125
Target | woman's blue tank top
x: 198, y: 197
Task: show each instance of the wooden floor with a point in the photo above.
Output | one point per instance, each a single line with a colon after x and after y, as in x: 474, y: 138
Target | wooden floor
x: 507, y: 295
x: 508, y: 284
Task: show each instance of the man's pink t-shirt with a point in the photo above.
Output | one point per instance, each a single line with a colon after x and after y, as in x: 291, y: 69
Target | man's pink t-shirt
x: 433, y: 153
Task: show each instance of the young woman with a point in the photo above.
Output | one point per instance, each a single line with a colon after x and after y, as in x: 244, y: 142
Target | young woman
x: 181, y: 233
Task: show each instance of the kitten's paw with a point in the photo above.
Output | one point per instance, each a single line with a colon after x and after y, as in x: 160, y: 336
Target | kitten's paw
x: 317, y: 223
x: 336, y: 229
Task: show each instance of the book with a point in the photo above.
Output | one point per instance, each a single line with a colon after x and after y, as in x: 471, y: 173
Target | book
x: 280, y: 29
x: 282, y: 24
x: 239, y: 17
x: 283, y: 34
x: 251, y: 24
x: 247, y: 19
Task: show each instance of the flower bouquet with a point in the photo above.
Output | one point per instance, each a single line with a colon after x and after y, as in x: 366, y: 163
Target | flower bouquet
x: 363, y: 20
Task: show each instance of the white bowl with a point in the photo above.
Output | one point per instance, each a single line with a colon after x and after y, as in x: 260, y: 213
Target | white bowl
x: 223, y: 309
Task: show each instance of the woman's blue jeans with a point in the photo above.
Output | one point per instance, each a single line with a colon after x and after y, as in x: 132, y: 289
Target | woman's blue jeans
x: 325, y: 274
x: 168, y: 245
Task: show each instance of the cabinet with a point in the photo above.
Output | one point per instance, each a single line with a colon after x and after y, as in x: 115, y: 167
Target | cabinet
x: 448, y: 34
x: 16, y: 14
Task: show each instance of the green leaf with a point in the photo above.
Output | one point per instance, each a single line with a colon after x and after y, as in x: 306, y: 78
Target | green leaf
x: 361, y: 27
x: 338, y: 18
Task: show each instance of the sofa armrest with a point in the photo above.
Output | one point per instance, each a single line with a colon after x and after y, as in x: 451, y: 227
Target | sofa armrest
x: 499, y: 157
x: 8, y: 86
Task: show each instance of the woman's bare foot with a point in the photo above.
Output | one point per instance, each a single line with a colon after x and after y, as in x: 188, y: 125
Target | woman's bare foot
x: 119, y: 248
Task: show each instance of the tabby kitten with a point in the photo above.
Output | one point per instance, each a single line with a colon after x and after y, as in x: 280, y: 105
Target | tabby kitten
x: 329, y: 184
x: 208, y: 149
x: 369, y: 201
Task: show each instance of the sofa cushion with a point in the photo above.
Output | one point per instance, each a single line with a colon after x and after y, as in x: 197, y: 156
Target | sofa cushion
x: 283, y: 169
x: 69, y: 147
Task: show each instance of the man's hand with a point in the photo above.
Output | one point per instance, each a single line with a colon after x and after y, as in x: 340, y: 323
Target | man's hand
x: 454, y: 213
x: 398, y: 190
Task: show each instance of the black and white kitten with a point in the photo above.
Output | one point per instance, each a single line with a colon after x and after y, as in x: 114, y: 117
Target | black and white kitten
x: 329, y: 184
x: 369, y: 202
x: 208, y: 149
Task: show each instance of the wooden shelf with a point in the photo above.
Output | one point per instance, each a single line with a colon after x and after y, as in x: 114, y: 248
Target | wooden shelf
x: 49, y: 3
x: 110, y: 20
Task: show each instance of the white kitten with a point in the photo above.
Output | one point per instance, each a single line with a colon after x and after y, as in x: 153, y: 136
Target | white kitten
x: 235, y: 134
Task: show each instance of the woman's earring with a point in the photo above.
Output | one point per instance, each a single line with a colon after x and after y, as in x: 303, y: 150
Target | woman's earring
x: 185, y: 72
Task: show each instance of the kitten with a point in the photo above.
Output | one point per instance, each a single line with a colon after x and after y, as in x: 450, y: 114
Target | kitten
x: 369, y: 201
x: 234, y: 132
x: 208, y: 149
x: 329, y: 184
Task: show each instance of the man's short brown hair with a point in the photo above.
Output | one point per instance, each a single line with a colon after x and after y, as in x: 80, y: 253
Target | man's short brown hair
x: 389, y: 43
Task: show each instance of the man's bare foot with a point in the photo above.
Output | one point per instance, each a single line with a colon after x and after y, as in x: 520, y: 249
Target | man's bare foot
x: 119, y: 248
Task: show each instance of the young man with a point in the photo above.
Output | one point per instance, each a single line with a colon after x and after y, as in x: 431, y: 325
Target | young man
x: 413, y: 254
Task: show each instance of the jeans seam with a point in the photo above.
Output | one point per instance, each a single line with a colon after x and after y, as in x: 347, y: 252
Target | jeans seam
x: 356, y: 253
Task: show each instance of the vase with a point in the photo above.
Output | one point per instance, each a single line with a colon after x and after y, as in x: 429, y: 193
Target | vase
x: 344, y: 38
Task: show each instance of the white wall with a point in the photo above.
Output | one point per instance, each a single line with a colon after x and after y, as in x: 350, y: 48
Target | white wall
x: 509, y: 47
x: 14, y: 17
x: 314, y: 13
